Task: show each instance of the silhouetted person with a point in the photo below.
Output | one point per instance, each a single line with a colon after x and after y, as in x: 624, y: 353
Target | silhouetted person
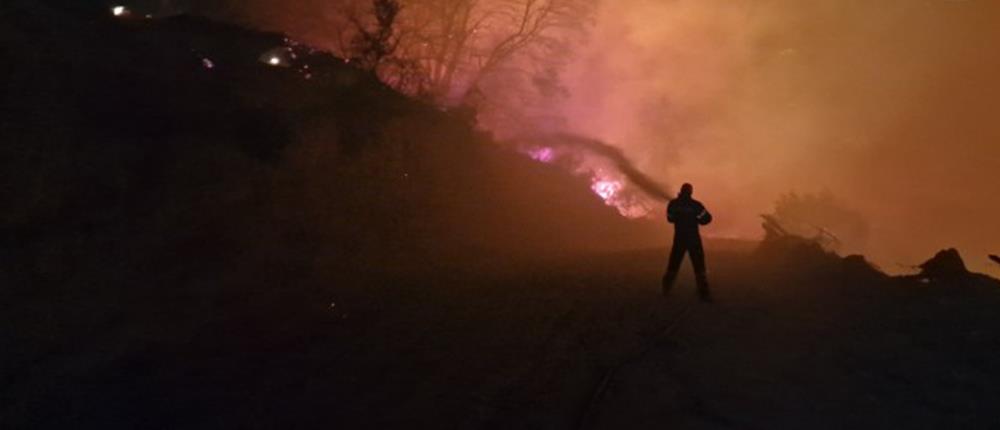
x: 687, y: 214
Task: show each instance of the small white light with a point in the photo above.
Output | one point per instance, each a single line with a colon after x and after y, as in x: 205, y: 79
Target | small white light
x: 274, y: 61
x: 118, y: 10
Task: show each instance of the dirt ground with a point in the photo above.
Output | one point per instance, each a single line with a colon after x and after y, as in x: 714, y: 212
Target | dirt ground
x: 581, y: 343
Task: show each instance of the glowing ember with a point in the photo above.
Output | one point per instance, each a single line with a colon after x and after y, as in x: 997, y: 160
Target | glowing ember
x: 119, y: 11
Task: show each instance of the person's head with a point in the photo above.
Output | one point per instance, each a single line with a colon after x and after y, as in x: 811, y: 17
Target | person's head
x: 686, y: 190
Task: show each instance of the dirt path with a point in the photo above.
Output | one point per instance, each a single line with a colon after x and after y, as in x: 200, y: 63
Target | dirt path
x: 587, y: 343
x: 826, y: 349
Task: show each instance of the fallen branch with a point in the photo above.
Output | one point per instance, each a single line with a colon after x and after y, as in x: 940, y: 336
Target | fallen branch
x: 772, y: 226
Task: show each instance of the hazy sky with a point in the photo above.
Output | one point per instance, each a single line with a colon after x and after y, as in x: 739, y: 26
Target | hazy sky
x: 892, y: 105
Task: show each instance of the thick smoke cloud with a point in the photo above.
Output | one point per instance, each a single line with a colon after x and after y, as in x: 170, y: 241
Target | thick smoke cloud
x: 890, y: 105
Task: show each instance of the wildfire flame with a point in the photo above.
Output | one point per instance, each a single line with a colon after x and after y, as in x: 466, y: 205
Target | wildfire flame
x: 607, y: 189
x: 607, y: 183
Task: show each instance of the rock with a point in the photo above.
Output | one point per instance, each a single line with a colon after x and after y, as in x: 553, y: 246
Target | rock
x: 946, y: 263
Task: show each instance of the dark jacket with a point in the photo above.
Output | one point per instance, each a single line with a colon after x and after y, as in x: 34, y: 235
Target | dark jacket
x: 687, y: 214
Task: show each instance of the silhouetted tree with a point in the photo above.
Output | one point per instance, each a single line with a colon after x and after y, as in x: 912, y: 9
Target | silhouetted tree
x: 455, y: 52
x: 375, y: 43
x: 459, y: 43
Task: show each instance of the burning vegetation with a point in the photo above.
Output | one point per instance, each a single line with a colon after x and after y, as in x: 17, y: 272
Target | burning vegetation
x: 613, y: 176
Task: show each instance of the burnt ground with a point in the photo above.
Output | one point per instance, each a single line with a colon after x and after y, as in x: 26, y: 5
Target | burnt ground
x: 580, y: 343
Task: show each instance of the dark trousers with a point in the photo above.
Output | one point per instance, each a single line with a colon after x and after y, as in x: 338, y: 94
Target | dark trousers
x: 692, y: 247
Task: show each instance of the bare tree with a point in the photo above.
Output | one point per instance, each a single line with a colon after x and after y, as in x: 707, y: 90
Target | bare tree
x: 455, y: 52
x: 461, y: 42
x: 375, y: 42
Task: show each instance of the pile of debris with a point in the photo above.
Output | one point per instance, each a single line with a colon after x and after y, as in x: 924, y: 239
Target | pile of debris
x: 774, y: 229
x: 947, y: 264
x: 810, y: 254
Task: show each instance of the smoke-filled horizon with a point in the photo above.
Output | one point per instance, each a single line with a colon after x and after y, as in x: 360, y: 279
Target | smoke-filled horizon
x: 888, y: 105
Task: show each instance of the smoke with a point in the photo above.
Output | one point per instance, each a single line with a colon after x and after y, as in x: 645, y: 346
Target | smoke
x: 583, y: 147
x: 889, y: 105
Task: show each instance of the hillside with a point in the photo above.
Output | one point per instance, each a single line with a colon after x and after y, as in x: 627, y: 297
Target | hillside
x: 135, y: 135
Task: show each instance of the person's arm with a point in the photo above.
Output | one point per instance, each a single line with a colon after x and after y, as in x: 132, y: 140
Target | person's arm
x: 705, y: 217
x: 671, y: 216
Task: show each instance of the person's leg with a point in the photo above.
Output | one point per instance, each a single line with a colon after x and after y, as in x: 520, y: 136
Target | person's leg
x: 700, y: 272
x: 673, y: 265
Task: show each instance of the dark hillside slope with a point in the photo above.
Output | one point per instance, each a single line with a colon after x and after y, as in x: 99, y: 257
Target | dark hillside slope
x: 159, y: 213
x: 121, y: 142
x: 148, y: 197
